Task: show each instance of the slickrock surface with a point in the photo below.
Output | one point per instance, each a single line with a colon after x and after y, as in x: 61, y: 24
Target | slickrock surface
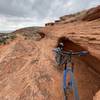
x: 28, y: 70
x: 82, y: 31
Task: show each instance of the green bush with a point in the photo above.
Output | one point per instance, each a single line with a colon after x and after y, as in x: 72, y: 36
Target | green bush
x: 2, y: 41
x: 12, y: 37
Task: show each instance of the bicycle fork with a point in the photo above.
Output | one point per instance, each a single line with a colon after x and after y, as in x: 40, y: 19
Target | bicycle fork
x: 73, y: 83
x: 64, y: 83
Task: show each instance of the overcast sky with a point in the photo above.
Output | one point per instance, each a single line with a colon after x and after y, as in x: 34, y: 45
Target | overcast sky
x: 16, y: 14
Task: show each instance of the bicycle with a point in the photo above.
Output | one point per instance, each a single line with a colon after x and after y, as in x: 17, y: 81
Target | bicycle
x: 63, y: 57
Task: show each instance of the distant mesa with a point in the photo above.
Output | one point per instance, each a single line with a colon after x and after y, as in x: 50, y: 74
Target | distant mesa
x: 49, y: 24
x: 57, y: 21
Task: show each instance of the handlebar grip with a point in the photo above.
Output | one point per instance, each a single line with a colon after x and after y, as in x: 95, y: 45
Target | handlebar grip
x: 55, y: 50
x: 83, y: 53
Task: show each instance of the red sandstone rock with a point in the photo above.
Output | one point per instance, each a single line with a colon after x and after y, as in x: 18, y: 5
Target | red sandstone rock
x: 28, y: 70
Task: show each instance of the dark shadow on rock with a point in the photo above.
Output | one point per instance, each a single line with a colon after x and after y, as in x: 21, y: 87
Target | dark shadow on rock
x: 92, y: 61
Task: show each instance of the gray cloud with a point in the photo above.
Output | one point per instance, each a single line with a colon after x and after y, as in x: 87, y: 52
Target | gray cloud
x: 19, y: 13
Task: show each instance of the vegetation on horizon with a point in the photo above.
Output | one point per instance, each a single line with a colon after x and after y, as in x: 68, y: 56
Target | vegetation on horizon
x: 6, y: 38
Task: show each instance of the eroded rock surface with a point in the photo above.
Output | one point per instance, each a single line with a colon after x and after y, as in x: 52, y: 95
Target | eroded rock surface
x: 28, y: 70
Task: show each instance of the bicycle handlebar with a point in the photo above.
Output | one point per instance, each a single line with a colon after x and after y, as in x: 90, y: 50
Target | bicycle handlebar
x: 81, y: 53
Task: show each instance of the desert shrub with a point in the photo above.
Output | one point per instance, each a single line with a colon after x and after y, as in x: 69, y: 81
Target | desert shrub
x: 12, y: 37
x: 25, y: 38
x: 6, y: 38
x: 2, y: 41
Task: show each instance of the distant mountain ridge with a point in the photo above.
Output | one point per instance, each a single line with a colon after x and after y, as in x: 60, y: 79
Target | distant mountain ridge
x: 9, y: 31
